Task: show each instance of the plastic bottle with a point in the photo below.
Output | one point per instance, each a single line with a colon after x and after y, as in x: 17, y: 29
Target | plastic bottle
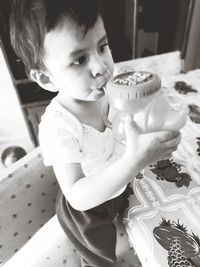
x: 140, y: 94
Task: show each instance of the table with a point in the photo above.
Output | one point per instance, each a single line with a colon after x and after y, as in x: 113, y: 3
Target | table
x: 163, y: 219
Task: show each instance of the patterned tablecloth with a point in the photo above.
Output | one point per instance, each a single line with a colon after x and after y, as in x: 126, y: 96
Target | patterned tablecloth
x: 163, y: 221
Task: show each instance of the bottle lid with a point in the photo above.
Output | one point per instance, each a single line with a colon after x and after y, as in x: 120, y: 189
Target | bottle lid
x: 133, y: 85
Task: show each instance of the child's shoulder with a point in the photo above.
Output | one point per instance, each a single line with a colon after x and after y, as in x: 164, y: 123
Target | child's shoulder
x: 57, y: 119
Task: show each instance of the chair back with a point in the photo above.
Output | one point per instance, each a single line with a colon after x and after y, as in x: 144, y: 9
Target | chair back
x: 27, y: 201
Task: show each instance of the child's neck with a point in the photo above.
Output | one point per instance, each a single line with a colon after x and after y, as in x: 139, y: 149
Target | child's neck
x: 87, y: 112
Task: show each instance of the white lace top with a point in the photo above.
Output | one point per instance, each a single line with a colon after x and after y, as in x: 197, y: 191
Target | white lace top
x: 63, y: 138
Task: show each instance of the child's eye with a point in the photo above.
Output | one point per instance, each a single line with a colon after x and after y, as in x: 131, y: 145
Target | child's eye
x: 103, y: 47
x: 80, y: 61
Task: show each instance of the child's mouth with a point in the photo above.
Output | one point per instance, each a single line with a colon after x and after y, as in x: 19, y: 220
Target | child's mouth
x: 100, y: 90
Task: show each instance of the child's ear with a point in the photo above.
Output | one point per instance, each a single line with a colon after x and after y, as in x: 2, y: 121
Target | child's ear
x: 43, y: 80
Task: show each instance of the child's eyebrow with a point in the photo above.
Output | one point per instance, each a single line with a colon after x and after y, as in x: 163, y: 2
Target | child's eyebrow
x: 104, y: 38
x: 75, y: 53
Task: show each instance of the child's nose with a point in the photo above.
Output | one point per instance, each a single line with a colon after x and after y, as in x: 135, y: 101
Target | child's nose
x: 98, y: 66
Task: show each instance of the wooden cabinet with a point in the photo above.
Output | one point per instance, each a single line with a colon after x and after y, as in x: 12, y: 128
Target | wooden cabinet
x: 34, y: 112
x: 28, y: 93
x: 13, y: 127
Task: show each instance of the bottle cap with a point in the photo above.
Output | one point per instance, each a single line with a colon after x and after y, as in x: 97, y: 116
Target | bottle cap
x: 133, y: 85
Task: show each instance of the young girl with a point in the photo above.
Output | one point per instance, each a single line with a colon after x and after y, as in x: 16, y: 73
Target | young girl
x: 65, y: 48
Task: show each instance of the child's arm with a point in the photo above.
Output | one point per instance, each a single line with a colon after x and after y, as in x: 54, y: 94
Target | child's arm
x: 87, y: 192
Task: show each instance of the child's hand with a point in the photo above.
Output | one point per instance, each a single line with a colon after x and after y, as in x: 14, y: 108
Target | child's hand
x: 144, y: 149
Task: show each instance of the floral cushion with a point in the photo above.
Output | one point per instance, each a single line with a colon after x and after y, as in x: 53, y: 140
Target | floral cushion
x: 52, y: 249
x: 30, y: 234
x: 27, y: 201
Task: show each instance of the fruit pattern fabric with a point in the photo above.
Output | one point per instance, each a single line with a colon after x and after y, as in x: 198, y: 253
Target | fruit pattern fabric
x: 176, y: 254
x: 170, y: 171
x: 183, y: 248
x: 163, y: 221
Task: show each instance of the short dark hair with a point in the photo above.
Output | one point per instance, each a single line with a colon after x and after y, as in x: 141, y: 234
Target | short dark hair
x: 30, y: 20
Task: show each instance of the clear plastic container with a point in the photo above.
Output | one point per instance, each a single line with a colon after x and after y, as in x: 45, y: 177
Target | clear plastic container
x: 140, y: 94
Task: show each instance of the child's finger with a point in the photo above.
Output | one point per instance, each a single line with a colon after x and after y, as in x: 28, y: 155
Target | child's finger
x: 130, y: 127
x: 167, y: 135
x: 167, y: 156
x: 173, y: 142
x: 170, y: 150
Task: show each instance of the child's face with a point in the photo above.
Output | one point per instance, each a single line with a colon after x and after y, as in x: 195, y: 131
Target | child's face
x: 78, y: 65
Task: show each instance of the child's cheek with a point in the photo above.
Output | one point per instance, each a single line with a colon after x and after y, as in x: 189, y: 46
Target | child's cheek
x: 111, y: 66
